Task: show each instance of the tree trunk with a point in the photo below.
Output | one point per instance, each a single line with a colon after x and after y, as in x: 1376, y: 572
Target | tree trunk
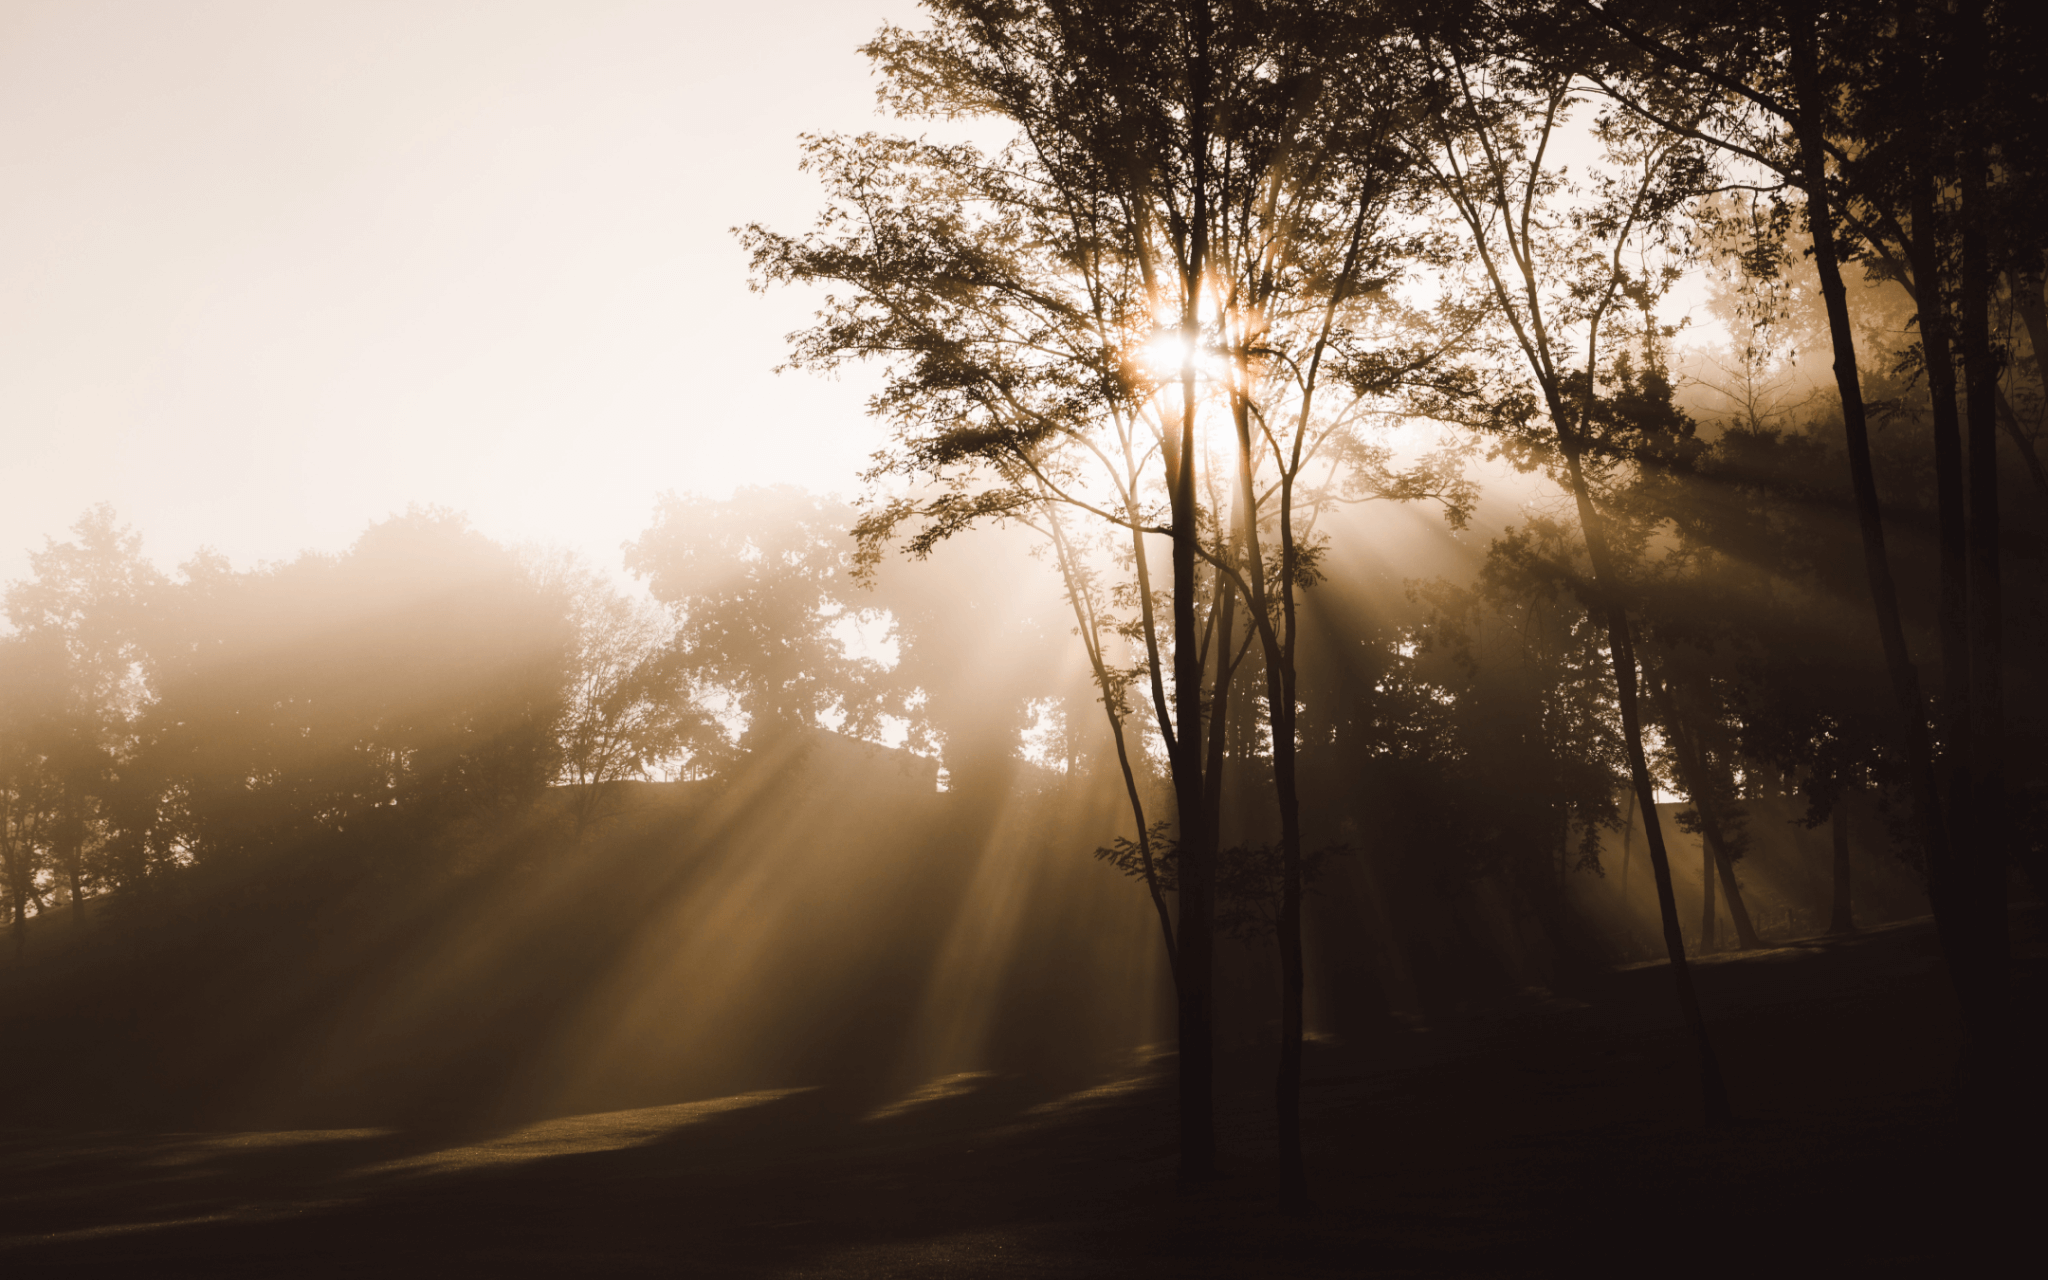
x: 1700, y: 785
x: 1287, y: 1085
x: 74, y: 877
x: 1278, y: 649
x: 1196, y: 932
x: 1707, y: 940
x: 1746, y: 936
x: 1982, y: 862
x: 17, y: 903
x: 1628, y: 839
x: 1079, y: 597
x: 1842, y: 919
x: 1621, y: 646
x: 1908, y: 703
x: 1930, y: 294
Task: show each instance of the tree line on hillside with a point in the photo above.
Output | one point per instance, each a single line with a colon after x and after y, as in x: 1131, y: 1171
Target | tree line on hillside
x: 1170, y: 320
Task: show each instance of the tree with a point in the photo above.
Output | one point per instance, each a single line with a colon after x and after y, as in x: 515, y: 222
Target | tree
x: 400, y: 691
x: 760, y: 587
x: 31, y: 696
x: 1311, y: 239
x: 1128, y: 313
x: 626, y: 709
x: 1563, y: 282
x: 1014, y: 297
x: 87, y: 605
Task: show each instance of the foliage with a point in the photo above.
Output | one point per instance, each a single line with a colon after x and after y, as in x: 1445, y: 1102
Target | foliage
x: 760, y: 588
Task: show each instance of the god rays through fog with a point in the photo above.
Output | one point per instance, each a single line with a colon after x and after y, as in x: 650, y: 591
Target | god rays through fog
x: 1373, y: 537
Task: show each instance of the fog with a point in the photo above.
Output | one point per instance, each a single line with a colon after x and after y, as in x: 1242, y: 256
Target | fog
x: 1174, y: 639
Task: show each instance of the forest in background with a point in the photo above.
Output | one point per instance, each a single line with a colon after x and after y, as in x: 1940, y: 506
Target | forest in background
x: 1312, y: 516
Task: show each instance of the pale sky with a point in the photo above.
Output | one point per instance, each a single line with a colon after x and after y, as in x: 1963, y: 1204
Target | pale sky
x: 272, y: 269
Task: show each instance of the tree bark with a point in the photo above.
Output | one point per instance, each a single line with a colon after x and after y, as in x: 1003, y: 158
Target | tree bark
x: 1628, y: 839
x: 1842, y: 917
x: 1707, y: 940
x: 1930, y: 295
x: 1197, y: 839
x: 1982, y: 862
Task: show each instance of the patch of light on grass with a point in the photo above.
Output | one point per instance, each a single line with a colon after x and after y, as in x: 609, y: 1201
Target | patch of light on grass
x: 1086, y: 1097
x: 201, y: 1150
x: 576, y: 1135
x: 957, y: 1085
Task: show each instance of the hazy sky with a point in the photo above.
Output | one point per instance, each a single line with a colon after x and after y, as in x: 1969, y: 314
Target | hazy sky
x: 272, y: 269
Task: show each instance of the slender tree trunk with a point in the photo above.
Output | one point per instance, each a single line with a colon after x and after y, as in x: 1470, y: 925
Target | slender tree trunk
x: 1908, y: 703
x: 1628, y: 839
x: 1983, y: 860
x: 1746, y: 937
x: 1197, y: 846
x: 1217, y: 716
x: 1278, y: 647
x: 1621, y: 646
x: 1842, y: 917
x: 1930, y: 295
x: 1611, y: 607
x: 1715, y: 838
x: 1287, y: 1084
x: 1197, y: 837
x: 1701, y: 786
x: 1708, y: 942
x: 70, y: 859
x: 1085, y: 617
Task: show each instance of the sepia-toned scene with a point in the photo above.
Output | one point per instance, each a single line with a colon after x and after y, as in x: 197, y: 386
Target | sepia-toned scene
x: 1022, y: 638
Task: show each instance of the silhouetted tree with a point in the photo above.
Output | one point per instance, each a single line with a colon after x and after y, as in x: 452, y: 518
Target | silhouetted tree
x: 761, y: 590
x: 628, y: 708
x: 1193, y: 222
x: 1564, y: 280
x: 31, y: 698
x: 395, y: 691
x: 86, y: 602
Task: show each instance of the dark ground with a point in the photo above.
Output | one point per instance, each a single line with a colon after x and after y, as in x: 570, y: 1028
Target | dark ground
x: 1560, y: 1137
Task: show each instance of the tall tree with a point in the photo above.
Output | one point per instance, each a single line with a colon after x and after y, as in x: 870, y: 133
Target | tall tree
x: 1564, y: 282
x: 1040, y: 309
x: 1311, y: 242
x: 1064, y: 320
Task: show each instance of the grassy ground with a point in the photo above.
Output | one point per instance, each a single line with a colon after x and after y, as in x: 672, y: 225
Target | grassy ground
x: 1558, y: 1137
